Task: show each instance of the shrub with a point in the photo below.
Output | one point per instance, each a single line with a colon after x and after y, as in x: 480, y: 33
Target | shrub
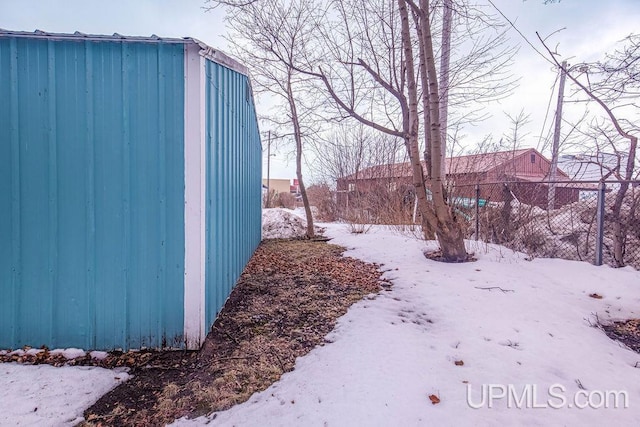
x: 321, y: 197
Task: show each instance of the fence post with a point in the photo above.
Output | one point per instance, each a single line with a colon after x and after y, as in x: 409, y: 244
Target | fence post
x: 477, y: 211
x: 600, y: 223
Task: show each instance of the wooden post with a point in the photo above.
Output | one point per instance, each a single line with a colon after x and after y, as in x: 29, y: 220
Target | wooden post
x: 600, y: 223
x: 477, y: 211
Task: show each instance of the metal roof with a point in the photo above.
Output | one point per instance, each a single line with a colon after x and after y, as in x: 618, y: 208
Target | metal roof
x: 467, y: 164
x: 206, y: 51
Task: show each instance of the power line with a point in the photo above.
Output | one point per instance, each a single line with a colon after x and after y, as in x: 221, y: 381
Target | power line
x: 543, y: 57
x: 521, y: 35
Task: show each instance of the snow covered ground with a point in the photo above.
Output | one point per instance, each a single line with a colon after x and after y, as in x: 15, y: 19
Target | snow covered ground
x: 500, y: 341
x: 44, y: 395
x: 520, y: 331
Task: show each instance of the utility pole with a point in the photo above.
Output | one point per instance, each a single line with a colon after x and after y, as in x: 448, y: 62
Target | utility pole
x: 553, y: 173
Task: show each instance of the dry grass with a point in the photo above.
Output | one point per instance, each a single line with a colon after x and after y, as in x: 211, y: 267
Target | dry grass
x: 284, y: 304
x: 627, y: 332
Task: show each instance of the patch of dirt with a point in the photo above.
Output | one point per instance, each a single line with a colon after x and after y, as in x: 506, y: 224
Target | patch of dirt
x: 437, y: 256
x: 284, y: 304
x: 627, y: 332
x: 113, y: 359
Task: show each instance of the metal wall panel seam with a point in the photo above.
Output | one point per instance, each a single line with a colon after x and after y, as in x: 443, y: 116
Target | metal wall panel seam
x: 207, y: 134
x: 220, y: 196
x: 229, y: 176
x: 90, y: 338
x: 231, y: 144
x: 204, y: 160
x: 236, y: 178
x: 242, y: 232
x: 16, y: 232
x: 214, y: 218
x: 216, y: 235
x: 217, y: 173
x: 241, y: 168
x: 162, y: 177
x: 231, y: 179
x: 245, y: 178
x: 217, y: 117
x: 53, y: 189
x: 240, y: 173
x: 126, y: 182
x: 211, y: 273
x: 216, y: 135
x: 224, y: 174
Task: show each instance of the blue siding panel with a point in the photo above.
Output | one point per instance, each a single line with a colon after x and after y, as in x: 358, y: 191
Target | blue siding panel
x: 233, y: 203
x: 91, y: 193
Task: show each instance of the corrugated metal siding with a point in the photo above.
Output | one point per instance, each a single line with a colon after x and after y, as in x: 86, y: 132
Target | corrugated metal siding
x: 233, y: 182
x: 91, y: 193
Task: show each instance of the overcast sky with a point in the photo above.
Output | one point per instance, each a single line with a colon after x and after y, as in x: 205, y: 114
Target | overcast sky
x: 592, y: 27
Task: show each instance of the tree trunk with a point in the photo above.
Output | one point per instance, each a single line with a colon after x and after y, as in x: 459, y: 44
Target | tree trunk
x: 411, y: 126
x: 621, y: 225
x: 297, y: 134
x: 445, y: 59
x: 428, y: 229
x: 505, y: 215
x: 449, y: 231
x: 451, y: 239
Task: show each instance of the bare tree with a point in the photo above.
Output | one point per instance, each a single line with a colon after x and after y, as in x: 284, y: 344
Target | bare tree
x: 351, y: 147
x: 269, y: 37
x: 513, y: 139
x: 361, y: 161
x: 363, y: 52
x: 377, y: 54
x: 616, y: 78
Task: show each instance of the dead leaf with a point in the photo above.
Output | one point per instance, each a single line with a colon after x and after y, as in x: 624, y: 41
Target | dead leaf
x: 596, y: 296
x: 459, y: 363
x: 434, y: 399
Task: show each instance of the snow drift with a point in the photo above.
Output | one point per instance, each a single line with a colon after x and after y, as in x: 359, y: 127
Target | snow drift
x: 279, y: 223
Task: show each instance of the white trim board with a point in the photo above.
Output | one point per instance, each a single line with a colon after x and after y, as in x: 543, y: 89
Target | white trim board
x: 194, y: 197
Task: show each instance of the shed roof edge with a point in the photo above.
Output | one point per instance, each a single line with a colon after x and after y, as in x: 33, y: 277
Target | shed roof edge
x: 206, y: 51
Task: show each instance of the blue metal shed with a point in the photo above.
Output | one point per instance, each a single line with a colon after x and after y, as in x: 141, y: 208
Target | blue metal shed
x: 130, y: 187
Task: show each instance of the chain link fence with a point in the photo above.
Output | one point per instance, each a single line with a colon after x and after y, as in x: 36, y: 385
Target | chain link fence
x: 577, y: 220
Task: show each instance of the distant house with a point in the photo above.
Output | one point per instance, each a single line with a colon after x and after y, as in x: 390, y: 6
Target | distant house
x: 524, y: 170
x: 593, y: 167
x: 277, y: 186
x: 295, y: 188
